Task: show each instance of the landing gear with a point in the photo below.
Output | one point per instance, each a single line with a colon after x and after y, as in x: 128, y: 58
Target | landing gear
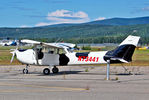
x: 46, y: 71
x: 25, y: 70
x: 55, y: 70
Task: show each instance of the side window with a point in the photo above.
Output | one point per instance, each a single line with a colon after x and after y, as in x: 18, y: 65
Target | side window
x: 61, y: 51
x: 53, y: 50
x: 48, y: 50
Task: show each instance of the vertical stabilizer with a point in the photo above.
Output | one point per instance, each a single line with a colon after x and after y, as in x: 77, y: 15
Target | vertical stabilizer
x: 131, y: 40
x: 124, y: 52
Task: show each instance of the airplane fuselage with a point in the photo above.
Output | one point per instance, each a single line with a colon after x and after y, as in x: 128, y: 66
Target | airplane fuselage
x: 29, y: 56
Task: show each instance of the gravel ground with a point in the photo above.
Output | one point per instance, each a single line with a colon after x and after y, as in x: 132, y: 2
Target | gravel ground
x: 74, y: 83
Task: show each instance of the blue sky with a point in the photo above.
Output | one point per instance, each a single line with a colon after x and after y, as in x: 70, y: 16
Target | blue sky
x: 31, y: 13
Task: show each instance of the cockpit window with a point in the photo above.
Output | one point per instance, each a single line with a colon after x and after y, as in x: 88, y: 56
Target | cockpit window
x: 49, y: 50
x: 61, y: 51
x: 70, y: 50
x: 53, y: 50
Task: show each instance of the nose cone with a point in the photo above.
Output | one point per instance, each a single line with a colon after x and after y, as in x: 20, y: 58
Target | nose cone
x: 25, y: 56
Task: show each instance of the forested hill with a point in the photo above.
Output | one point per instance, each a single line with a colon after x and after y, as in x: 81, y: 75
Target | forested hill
x: 122, y: 21
x: 79, y: 33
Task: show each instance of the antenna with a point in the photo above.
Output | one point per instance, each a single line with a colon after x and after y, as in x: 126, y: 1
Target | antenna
x: 59, y: 39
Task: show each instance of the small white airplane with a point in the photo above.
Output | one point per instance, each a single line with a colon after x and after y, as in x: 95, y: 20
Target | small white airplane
x: 62, y: 54
x: 9, y: 43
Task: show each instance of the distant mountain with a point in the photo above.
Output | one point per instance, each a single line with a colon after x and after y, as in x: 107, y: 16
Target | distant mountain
x: 122, y: 21
x: 104, y: 31
x: 59, y: 25
x: 112, y: 21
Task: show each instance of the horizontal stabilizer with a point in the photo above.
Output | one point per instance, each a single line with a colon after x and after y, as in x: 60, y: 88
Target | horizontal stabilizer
x: 122, y: 60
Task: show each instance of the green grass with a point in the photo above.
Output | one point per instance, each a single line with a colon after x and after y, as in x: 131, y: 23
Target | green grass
x: 5, y: 55
x: 7, y: 47
x: 13, y: 47
x: 140, y: 57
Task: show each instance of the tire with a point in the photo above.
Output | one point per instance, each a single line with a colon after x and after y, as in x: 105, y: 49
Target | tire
x: 46, y: 71
x: 55, y: 70
x: 25, y: 71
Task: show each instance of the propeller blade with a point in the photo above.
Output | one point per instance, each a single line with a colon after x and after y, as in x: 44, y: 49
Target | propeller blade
x: 13, y: 55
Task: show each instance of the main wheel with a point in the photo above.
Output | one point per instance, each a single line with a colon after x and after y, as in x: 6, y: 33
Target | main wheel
x: 55, y: 70
x: 46, y: 71
x: 25, y: 71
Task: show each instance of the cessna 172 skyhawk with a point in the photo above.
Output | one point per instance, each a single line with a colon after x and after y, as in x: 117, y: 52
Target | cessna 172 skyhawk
x: 60, y: 54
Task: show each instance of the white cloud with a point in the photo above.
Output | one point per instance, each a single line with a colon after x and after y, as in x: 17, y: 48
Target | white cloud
x: 67, y: 13
x: 24, y: 26
x: 145, y: 9
x: 65, y: 16
x: 101, y: 18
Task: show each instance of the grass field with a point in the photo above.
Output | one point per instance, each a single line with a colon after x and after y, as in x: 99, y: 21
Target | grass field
x: 5, y: 56
x: 140, y: 57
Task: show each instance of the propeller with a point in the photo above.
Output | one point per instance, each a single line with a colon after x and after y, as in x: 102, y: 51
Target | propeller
x: 13, y: 54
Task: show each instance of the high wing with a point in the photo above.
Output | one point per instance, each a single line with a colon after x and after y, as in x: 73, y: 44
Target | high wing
x: 30, y: 41
x: 53, y: 45
x: 66, y: 45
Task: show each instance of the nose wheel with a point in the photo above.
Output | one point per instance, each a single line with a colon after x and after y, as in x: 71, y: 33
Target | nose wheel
x: 25, y: 70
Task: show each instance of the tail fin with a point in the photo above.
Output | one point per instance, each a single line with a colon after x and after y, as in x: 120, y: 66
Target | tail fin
x: 131, y: 40
x: 124, y: 52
